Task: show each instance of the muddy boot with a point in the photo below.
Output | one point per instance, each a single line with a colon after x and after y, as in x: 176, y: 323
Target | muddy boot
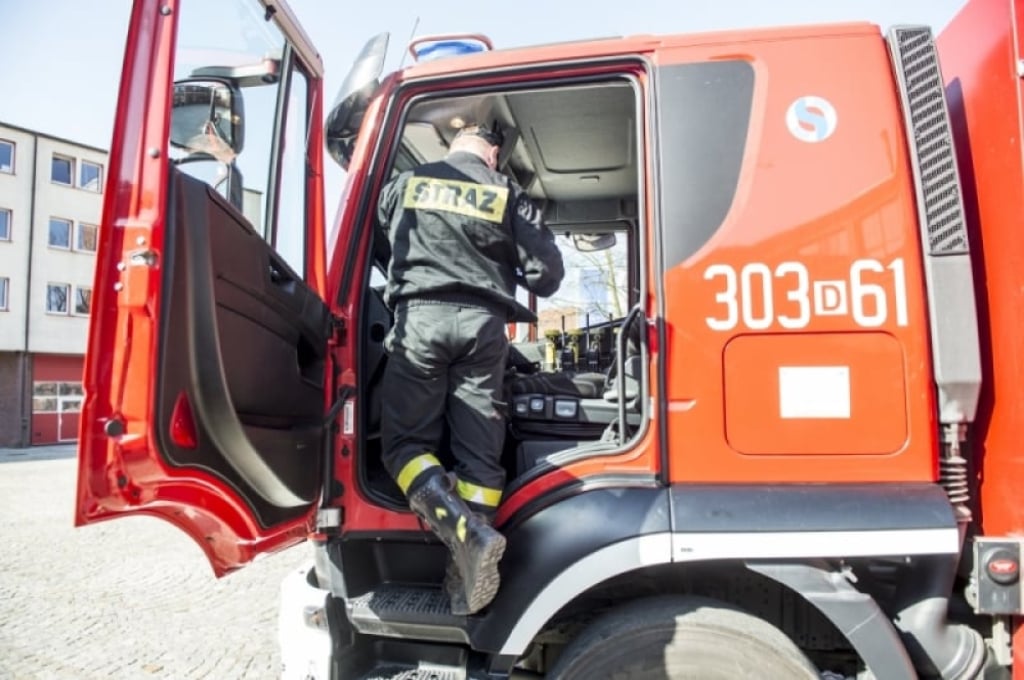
x: 454, y: 587
x: 476, y: 548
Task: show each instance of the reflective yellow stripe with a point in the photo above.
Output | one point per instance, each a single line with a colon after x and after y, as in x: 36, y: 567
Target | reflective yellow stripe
x: 414, y: 468
x: 481, y: 495
x: 482, y: 201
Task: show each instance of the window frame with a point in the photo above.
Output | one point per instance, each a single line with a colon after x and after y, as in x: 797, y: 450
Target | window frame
x: 295, y: 68
x: 99, y: 179
x: 14, y: 149
x: 73, y: 309
x: 71, y: 169
x: 5, y: 293
x: 67, y: 298
x: 78, y: 237
x: 71, y: 233
x: 10, y: 224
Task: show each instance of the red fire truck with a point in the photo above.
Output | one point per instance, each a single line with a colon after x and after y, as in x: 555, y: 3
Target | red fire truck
x: 770, y: 426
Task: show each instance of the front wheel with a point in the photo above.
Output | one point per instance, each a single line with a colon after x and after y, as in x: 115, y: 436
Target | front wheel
x: 677, y: 637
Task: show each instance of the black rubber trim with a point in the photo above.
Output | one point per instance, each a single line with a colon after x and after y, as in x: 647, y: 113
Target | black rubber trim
x: 574, y: 488
x: 809, y: 507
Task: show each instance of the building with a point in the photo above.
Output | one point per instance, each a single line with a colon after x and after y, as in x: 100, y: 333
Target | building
x: 50, y: 202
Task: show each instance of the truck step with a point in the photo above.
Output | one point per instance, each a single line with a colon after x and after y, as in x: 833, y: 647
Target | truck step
x: 421, y: 673
x: 410, y: 612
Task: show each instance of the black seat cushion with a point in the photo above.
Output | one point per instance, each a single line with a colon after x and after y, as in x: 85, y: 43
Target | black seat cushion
x: 582, y: 385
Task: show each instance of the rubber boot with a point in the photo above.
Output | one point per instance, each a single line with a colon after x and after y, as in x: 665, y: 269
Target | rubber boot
x: 454, y: 587
x: 476, y: 548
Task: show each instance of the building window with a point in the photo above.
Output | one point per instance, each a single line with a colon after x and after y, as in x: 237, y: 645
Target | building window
x: 44, y: 397
x: 86, y: 238
x: 83, y: 300
x: 91, y: 176
x: 5, y: 224
x: 60, y: 233
x: 62, y: 170
x: 73, y: 389
x: 5, y: 285
x: 6, y: 156
x: 57, y: 298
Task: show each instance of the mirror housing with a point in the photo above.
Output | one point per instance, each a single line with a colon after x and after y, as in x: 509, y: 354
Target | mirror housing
x: 346, y: 115
x: 589, y: 243
x: 207, y: 118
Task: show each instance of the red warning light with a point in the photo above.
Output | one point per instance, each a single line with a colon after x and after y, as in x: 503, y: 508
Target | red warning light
x: 183, y: 426
x: 1004, y: 567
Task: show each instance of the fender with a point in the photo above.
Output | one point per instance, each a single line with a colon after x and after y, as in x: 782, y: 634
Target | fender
x: 605, y: 528
x: 601, y: 533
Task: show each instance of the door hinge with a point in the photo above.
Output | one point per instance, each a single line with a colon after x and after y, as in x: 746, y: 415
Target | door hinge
x: 328, y: 518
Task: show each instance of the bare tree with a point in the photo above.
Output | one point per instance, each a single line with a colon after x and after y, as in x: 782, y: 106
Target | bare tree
x: 595, y: 285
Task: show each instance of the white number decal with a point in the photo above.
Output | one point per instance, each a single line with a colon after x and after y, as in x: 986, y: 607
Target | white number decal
x: 727, y: 297
x: 749, y: 295
x: 867, y: 295
x: 799, y: 294
x: 899, y: 281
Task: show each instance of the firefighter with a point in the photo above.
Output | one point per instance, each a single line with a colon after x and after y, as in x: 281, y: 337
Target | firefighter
x: 462, y: 236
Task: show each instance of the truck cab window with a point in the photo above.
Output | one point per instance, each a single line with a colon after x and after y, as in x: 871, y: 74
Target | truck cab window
x: 290, y: 228
x: 235, y: 98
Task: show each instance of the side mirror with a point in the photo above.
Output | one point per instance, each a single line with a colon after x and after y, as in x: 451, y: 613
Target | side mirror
x: 346, y: 115
x: 207, y: 118
x: 589, y: 243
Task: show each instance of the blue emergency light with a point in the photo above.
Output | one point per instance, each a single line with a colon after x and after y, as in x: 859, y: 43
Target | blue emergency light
x: 430, y: 48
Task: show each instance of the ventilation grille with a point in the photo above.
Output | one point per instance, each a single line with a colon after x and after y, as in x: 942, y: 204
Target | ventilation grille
x: 921, y: 88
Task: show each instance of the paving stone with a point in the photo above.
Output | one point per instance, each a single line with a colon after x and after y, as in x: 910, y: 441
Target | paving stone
x: 131, y: 598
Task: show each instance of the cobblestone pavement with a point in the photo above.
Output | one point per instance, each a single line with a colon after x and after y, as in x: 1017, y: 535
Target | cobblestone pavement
x: 132, y: 598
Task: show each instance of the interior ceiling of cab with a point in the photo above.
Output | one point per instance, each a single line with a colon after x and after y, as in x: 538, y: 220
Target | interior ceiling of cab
x: 562, y: 144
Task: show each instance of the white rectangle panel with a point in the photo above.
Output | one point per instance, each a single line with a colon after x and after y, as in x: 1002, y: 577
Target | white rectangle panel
x: 814, y: 391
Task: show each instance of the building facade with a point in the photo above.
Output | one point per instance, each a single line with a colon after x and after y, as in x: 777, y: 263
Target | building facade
x: 50, y: 202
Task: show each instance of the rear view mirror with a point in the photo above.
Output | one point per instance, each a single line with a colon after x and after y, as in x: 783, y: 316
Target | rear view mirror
x: 589, y: 243
x: 207, y: 119
x: 346, y: 116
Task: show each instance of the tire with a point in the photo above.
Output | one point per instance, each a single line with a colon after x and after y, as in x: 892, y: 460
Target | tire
x: 681, y: 637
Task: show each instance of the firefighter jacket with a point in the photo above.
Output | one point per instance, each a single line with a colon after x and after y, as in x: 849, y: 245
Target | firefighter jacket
x: 458, y: 227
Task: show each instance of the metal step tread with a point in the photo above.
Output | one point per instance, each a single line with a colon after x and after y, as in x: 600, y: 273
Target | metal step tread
x: 406, y: 673
x: 418, y: 612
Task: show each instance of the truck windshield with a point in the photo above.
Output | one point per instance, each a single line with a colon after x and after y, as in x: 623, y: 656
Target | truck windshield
x: 595, y: 286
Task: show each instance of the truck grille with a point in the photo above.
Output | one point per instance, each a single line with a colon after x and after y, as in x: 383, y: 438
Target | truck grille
x: 917, y: 70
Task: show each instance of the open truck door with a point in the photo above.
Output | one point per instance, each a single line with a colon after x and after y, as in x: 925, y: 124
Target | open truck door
x: 208, y: 370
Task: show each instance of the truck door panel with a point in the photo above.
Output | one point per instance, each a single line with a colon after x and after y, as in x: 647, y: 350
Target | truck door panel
x: 243, y: 341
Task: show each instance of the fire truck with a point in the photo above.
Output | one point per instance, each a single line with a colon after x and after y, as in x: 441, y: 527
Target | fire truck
x: 769, y: 427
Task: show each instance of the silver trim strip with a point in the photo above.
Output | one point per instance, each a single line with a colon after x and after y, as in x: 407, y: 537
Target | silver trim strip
x: 813, y: 544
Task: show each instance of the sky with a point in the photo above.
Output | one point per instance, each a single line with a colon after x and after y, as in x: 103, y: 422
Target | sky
x: 63, y: 57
